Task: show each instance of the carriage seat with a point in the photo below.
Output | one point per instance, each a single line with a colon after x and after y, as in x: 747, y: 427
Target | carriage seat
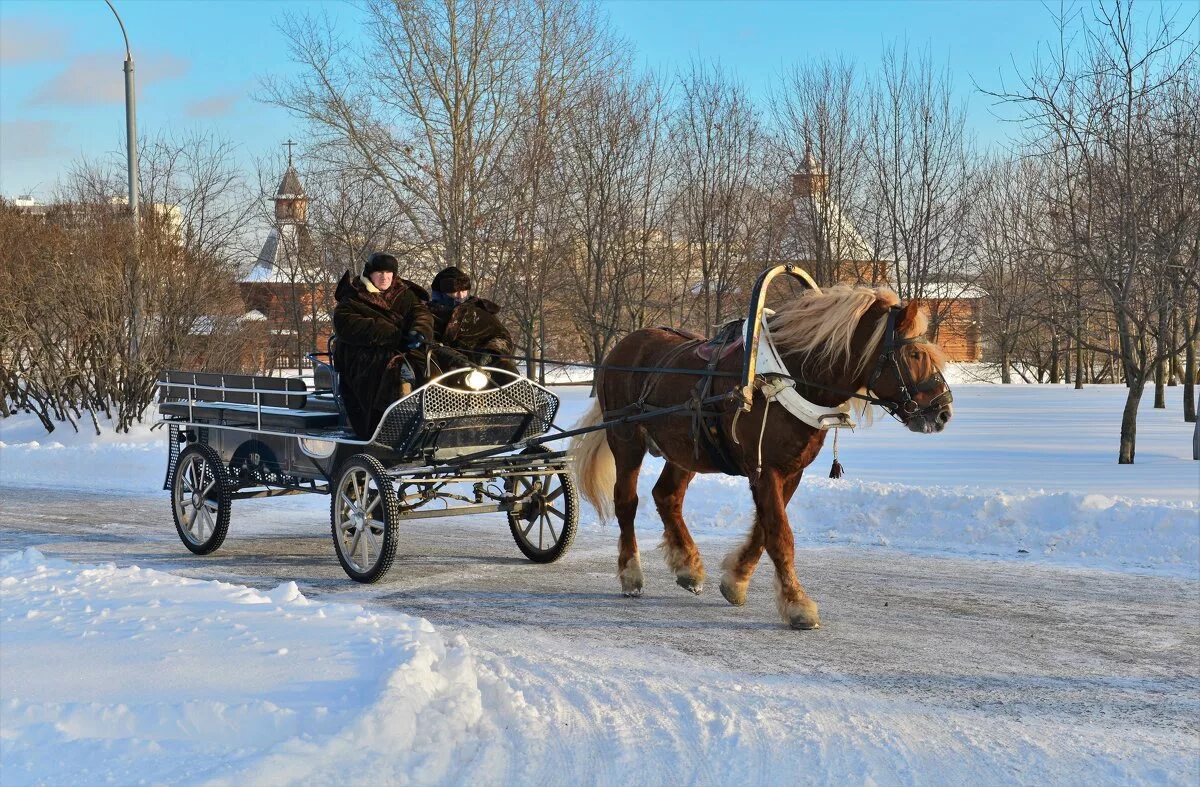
x: 230, y: 400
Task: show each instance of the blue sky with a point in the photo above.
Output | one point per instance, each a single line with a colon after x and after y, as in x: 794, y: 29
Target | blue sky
x: 198, y: 61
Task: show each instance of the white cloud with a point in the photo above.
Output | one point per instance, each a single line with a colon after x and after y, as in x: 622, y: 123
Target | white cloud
x: 98, y: 78
x: 213, y: 106
x: 30, y: 40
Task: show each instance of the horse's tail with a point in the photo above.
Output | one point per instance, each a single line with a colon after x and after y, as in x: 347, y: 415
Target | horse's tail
x: 595, y: 467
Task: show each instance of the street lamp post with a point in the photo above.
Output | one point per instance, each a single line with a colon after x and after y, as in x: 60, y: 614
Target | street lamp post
x: 130, y: 124
x: 135, y: 296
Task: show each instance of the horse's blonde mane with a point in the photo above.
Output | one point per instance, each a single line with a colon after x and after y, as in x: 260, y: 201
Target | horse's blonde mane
x: 821, y: 324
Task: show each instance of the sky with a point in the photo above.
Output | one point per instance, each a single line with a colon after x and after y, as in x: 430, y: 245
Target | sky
x: 198, y: 62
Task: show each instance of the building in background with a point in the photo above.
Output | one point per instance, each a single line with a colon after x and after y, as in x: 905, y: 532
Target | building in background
x: 287, y: 289
x: 827, y: 240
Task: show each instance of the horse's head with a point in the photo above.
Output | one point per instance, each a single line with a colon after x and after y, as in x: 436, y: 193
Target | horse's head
x: 907, y: 374
x: 859, y: 338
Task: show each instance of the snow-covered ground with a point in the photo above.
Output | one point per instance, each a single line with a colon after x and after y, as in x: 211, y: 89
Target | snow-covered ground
x: 1029, y: 468
x: 111, y: 673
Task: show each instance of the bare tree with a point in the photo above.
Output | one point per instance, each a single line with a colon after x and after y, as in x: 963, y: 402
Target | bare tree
x: 820, y: 128
x: 426, y: 109
x: 922, y: 184
x: 76, y: 349
x: 719, y: 142
x: 1101, y: 118
x: 610, y: 147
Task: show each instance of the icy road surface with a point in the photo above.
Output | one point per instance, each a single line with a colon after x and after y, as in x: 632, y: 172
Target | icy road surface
x: 927, y: 669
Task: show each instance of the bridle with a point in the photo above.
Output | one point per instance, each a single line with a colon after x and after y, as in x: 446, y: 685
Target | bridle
x: 906, y: 407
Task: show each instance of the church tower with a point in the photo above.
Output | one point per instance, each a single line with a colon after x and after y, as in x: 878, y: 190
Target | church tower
x: 810, y: 182
x: 291, y: 203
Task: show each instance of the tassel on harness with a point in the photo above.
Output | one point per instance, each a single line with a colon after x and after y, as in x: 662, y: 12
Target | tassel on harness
x: 836, y: 471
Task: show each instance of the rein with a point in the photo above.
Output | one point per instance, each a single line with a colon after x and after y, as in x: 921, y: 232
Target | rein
x: 902, y: 410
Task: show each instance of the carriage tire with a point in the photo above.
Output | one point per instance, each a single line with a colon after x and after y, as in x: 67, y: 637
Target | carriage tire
x: 568, y: 522
x: 365, y: 467
x: 200, y: 461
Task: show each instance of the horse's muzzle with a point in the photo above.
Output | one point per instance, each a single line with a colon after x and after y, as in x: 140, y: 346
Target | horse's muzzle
x: 930, y: 422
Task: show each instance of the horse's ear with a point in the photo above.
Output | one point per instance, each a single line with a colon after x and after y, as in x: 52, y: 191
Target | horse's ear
x: 913, y: 320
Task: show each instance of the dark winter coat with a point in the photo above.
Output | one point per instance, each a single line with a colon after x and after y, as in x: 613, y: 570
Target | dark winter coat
x: 474, y: 329
x: 372, y: 329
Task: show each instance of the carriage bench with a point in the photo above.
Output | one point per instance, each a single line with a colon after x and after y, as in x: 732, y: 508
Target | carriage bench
x: 274, y: 403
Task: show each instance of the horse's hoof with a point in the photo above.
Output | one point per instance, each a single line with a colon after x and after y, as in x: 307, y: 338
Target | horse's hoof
x: 803, y: 615
x: 800, y: 614
x: 734, y: 594
x: 690, y: 584
x: 631, y: 577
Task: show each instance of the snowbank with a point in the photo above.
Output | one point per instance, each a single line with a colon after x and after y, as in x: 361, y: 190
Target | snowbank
x: 127, y: 675
x: 1057, y: 527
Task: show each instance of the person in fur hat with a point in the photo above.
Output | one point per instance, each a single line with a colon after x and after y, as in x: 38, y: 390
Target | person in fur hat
x: 380, y: 321
x: 468, y: 324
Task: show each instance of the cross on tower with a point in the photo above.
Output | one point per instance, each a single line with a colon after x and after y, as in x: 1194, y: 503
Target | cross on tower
x: 289, y: 145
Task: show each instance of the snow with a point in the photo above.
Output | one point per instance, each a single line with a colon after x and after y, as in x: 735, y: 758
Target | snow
x: 115, y: 673
x: 1025, y: 467
x: 126, y: 675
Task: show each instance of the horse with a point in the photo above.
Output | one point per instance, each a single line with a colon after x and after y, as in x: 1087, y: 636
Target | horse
x: 839, y: 344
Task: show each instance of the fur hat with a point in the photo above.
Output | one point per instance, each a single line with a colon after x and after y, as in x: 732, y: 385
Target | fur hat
x: 381, y: 261
x: 451, y: 279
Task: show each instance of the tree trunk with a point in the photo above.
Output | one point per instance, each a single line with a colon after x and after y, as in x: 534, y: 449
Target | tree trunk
x: 1160, y: 386
x: 529, y: 351
x: 1173, y: 358
x: 1067, y: 361
x: 1005, y: 367
x: 1189, y: 383
x: 541, y: 347
x: 1054, y: 358
x: 1129, y: 421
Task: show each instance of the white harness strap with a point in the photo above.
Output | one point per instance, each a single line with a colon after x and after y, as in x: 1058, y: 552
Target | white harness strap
x: 777, y: 386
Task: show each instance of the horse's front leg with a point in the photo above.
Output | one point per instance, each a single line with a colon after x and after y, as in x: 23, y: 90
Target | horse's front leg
x: 628, y: 456
x: 795, y: 607
x: 678, y: 547
x: 739, y: 564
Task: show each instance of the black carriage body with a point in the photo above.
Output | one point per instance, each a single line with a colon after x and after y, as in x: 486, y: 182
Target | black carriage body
x: 274, y: 433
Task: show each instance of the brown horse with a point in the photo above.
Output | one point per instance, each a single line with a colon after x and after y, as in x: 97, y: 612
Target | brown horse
x: 838, y: 343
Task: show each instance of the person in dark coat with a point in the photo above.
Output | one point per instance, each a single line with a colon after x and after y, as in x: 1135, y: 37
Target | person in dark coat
x: 380, y: 321
x: 468, y: 324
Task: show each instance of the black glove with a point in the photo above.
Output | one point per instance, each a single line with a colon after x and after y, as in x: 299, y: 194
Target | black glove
x: 413, y: 340
x: 449, y: 358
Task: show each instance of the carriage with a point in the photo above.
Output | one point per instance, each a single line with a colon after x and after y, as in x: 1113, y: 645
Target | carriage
x: 236, y: 437
x: 457, y: 445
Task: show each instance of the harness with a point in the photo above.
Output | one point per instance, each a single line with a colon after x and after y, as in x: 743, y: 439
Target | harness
x: 907, y: 407
x: 777, y: 385
x: 706, y: 421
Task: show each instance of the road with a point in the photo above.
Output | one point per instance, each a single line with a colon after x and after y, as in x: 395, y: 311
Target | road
x: 929, y: 668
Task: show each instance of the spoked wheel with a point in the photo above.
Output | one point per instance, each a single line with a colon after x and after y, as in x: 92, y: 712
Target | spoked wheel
x: 200, y: 499
x: 364, y: 514
x: 545, y: 525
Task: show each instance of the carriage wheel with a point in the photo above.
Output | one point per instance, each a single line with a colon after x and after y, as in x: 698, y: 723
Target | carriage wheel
x: 200, y: 499
x: 364, y: 514
x: 545, y: 527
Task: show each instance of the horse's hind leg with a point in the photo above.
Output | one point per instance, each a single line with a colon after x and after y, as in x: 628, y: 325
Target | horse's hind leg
x: 739, y: 564
x: 678, y: 547
x: 628, y: 454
